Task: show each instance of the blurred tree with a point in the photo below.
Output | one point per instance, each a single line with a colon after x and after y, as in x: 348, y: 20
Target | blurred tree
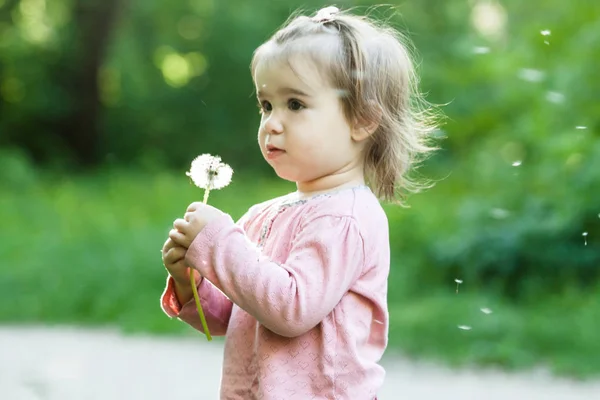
x: 76, y: 71
x: 171, y: 80
x: 49, y: 76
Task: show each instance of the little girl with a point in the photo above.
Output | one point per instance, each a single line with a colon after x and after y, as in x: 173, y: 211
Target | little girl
x: 299, y: 284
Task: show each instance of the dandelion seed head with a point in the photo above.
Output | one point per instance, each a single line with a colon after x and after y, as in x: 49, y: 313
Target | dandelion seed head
x: 459, y: 281
x: 208, y: 172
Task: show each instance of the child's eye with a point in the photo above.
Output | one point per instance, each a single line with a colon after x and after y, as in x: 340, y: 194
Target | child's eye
x: 264, y: 106
x: 295, y: 105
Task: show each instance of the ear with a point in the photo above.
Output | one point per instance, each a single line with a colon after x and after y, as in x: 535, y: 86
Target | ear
x: 363, y: 129
x: 362, y: 132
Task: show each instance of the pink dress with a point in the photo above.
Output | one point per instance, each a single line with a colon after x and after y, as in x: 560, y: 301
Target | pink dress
x: 299, y: 289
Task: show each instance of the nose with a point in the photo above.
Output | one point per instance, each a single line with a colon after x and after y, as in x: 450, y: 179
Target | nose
x: 273, y: 124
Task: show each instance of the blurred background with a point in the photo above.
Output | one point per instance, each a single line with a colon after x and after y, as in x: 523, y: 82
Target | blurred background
x: 104, y: 103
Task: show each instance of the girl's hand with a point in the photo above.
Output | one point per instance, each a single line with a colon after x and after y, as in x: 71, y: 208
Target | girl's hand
x: 173, y: 257
x: 174, y: 261
x: 198, y: 215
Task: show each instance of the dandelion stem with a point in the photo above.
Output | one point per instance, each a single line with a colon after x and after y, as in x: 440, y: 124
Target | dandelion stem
x: 195, y: 290
x: 207, y: 172
x: 199, y: 306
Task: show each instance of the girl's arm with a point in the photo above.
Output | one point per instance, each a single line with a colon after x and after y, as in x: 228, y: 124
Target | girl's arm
x: 216, y: 306
x: 289, y: 298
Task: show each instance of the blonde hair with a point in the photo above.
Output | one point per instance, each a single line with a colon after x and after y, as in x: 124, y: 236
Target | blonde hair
x: 371, y: 65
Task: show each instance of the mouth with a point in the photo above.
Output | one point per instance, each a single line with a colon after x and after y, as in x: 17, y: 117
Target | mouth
x: 273, y: 152
x: 270, y: 148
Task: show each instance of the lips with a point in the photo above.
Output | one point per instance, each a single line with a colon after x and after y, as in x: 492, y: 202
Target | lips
x: 273, y: 152
x: 270, y: 147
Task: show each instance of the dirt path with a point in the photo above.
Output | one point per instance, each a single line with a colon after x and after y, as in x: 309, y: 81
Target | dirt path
x: 75, y: 364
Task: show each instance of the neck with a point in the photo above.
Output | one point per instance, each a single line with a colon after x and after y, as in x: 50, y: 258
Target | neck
x: 339, y: 180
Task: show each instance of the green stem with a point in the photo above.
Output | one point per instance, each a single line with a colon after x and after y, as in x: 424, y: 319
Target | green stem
x: 199, y: 306
x: 195, y: 290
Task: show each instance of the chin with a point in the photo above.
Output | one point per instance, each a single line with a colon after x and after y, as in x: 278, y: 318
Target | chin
x: 286, y: 175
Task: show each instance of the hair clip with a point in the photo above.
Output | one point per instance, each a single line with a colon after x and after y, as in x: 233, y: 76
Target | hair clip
x: 326, y: 14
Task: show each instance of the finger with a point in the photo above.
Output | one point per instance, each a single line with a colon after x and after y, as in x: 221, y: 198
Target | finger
x: 181, y: 225
x: 188, y: 216
x: 169, y: 244
x: 194, y: 206
x: 175, y: 254
x: 179, y: 238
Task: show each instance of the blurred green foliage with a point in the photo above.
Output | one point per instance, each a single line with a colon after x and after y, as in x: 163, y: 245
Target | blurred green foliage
x: 515, y: 213
x: 85, y: 250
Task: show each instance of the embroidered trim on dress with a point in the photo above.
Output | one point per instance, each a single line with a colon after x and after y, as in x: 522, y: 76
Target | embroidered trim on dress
x: 285, y: 204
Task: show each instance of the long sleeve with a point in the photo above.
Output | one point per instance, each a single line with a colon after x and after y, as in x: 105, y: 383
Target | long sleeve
x: 216, y: 307
x: 288, y: 298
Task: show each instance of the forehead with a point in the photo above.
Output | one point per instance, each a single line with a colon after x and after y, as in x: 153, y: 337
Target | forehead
x: 274, y: 76
x: 300, y: 65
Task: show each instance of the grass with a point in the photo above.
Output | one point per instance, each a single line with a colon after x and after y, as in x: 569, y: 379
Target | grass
x: 558, y: 333
x: 85, y: 250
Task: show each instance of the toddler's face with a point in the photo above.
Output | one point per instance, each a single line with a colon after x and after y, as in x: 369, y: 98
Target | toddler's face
x: 303, y: 134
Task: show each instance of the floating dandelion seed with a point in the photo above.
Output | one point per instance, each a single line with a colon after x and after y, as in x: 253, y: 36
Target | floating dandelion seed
x: 485, y: 310
x: 439, y: 133
x: 580, y: 127
x: 584, y: 234
x: 481, y: 50
x: 358, y: 74
x: 555, y: 97
x: 499, y: 213
x: 207, y: 172
x: 516, y: 164
x: 531, y: 75
x: 546, y: 32
x: 342, y: 93
x: 465, y: 327
x: 458, y: 282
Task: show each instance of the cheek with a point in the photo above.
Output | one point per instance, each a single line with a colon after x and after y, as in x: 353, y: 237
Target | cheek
x: 315, y: 151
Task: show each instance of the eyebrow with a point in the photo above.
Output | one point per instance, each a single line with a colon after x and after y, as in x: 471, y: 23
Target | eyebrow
x: 285, y: 91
